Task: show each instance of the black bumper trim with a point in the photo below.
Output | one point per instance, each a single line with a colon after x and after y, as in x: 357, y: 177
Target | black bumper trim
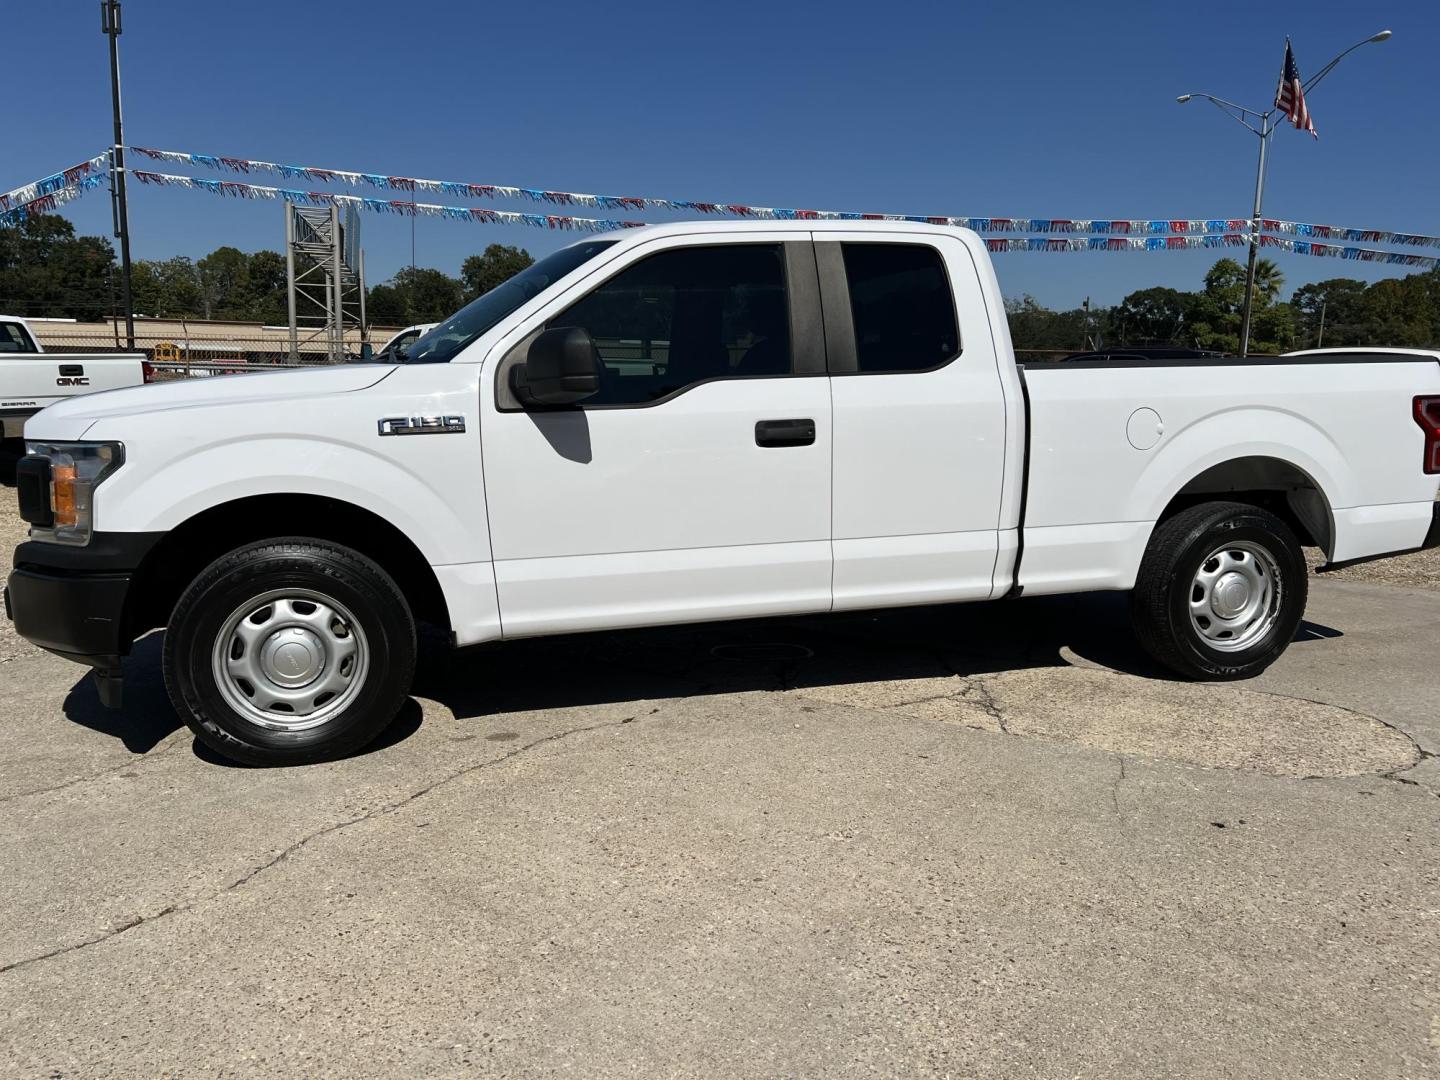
x: 107, y: 552
x: 79, y: 616
x: 1432, y: 540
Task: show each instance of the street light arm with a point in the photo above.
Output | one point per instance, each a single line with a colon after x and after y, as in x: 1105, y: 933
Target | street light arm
x: 1315, y: 79
x: 1232, y: 110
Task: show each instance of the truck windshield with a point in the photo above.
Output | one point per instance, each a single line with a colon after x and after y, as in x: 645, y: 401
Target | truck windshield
x: 445, y: 341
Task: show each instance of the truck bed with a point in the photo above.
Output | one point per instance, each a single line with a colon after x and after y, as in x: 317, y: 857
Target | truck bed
x: 1112, y: 443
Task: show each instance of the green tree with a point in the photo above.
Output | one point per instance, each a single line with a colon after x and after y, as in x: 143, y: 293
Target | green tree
x: 1154, y: 316
x: 429, y: 295
x: 267, y: 302
x: 1340, y: 300
x: 385, y: 305
x: 224, y: 283
x: 1268, y: 281
x: 1033, y: 326
x: 46, y: 270
x: 498, y: 263
x: 169, y: 288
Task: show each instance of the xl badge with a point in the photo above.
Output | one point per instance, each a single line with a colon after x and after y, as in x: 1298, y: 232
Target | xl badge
x: 422, y: 425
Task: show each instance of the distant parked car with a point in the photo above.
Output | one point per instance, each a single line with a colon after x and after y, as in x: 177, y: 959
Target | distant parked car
x: 402, y: 341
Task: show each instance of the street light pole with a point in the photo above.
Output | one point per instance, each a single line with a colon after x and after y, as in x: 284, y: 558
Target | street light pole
x: 110, y: 26
x: 1240, y: 113
x: 1266, y: 129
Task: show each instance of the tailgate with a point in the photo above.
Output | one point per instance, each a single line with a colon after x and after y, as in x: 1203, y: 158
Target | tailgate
x: 34, y: 380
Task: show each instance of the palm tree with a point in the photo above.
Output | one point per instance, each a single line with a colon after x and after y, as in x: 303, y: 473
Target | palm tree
x: 1268, y: 281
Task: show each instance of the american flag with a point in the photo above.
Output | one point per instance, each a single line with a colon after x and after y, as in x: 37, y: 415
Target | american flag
x: 1290, y: 96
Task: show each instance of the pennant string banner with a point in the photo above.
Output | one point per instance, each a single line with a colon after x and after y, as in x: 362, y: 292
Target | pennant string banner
x: 241, y: 190
x: 1172, y: 234
x: 1359, y: 254
x: 51, y: 200
x: 1102, y: 226
x: 407, y: 207
x: 462, y: 189
x: 70, y: 177
x: 1338, y: 232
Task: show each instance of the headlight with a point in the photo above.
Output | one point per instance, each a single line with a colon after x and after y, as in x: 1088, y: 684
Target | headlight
x: 57, y: 483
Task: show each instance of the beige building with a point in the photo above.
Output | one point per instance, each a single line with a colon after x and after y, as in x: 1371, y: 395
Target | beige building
x: 198, y: 340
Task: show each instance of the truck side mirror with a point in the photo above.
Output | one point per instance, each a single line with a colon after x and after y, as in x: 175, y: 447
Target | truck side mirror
x: 561, y: 368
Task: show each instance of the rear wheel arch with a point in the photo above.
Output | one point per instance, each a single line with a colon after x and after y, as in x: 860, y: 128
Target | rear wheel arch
x: 192, y: 545
x: 1271, y: 483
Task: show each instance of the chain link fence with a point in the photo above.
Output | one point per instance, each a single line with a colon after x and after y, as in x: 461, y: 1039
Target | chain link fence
x: 194, y: 348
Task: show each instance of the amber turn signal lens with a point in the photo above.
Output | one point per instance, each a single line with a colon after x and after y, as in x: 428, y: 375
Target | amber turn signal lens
x: 62, y: 481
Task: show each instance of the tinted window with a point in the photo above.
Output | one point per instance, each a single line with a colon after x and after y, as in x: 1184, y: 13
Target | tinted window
x: 685, y: 316
x: 902, y: 306
x: 404, y: 341
x: 444, y: 342
x: 14, y: 339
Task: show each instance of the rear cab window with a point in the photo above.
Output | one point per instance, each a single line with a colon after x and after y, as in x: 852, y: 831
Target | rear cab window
x: 902, y: 306
x: 15, y: 339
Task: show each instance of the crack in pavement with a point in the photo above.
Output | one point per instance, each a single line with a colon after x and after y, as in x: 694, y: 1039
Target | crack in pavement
x: 136, y: 761
x: 987, y: 702
x: 304, y: 841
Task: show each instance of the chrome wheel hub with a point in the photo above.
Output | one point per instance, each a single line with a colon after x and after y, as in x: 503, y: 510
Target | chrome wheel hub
x: 1235, y: 597
x: 290, y: 659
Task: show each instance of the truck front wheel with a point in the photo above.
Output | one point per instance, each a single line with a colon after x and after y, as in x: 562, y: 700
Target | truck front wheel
x: 1221, y: 591
x: 289, y: 651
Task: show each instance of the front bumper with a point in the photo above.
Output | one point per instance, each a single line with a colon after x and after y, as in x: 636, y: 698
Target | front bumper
x: 78, y: 616
x: 73, y: 600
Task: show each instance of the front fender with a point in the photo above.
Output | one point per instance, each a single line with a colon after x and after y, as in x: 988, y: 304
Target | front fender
x: 178, y: 465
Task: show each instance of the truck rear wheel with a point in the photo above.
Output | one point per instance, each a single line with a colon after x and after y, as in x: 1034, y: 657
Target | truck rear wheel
x: 289, y: 651
x: 1221, y: 591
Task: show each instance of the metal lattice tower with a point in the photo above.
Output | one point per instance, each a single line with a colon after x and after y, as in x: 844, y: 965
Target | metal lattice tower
x: 325, y: 278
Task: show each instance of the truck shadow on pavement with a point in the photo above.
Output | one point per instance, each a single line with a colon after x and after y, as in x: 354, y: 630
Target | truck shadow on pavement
x: 613, y: 667
x: 892, y: 645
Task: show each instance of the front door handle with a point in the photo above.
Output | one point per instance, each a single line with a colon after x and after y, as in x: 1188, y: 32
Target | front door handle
x: 784, y: 432
x: 72, y: 369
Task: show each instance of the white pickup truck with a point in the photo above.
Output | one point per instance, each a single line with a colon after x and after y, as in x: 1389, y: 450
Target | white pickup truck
x: 692, y: 422
x: 31, y: 378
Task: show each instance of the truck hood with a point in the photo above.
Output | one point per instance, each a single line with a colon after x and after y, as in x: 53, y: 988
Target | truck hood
x: 71, y: 418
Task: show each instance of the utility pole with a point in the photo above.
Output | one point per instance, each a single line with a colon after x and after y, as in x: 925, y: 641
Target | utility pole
x: 1320, y: 337
x: 110, y: 26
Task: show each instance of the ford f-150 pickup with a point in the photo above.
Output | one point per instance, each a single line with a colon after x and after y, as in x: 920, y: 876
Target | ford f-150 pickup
x: 31, y: 378
x: 693, y: 422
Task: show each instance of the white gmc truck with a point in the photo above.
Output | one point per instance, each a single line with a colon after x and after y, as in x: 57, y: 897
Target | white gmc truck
x: 31, y: 378
x: 691, y: 422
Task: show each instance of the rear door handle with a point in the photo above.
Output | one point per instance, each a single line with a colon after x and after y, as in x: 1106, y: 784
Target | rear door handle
x: 784, y: 432
x: 72, y: 369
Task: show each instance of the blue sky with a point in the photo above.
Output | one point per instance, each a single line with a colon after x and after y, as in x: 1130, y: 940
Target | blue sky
x: 1041, y: 109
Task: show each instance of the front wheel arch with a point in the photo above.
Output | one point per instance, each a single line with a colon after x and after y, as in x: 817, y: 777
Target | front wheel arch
x: 170, y: 566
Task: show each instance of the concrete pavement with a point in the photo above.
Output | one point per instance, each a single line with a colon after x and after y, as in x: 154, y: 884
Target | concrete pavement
x: 974, y: 841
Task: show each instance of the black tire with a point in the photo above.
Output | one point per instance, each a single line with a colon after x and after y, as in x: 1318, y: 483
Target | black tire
x: 315, y: 568
x: 1160, y: 604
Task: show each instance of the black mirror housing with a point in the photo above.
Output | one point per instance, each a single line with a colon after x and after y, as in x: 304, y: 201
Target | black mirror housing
x: 561, y: 368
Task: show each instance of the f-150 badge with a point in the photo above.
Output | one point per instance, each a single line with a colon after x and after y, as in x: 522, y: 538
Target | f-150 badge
x: 422, y: 425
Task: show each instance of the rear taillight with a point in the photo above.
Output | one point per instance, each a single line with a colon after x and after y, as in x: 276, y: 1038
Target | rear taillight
x: 147, y: 370
x: 1427, y: 415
